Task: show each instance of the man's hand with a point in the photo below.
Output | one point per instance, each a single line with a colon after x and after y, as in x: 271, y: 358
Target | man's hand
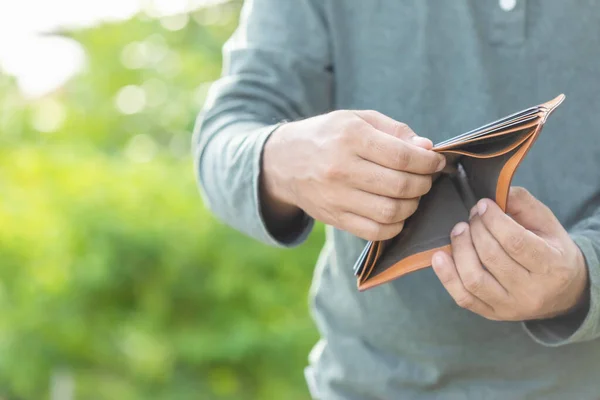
x: 359, y: 171
x: 513, y: 268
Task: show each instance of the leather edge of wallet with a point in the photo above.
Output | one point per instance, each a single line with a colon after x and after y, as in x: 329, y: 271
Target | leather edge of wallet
x: 409, y: 264
x: 510, y: 167
x: 370, y: 262
x: 368, y: 256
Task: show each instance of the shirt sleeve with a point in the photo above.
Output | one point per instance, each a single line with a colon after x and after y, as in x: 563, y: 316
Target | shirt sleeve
x: 276, y: 67
x: 584, y: 323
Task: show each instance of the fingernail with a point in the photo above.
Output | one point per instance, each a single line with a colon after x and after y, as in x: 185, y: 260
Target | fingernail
x: 458, y: 229
x: 441, y: 164
x: 481, y: 207
x: 473, y: 212
x: 437, y: 260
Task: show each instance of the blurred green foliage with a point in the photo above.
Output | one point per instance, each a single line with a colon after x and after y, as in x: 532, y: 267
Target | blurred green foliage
x: 111, y: 270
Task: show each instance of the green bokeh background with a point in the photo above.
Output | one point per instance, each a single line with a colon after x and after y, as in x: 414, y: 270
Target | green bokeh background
x: 112, y: 272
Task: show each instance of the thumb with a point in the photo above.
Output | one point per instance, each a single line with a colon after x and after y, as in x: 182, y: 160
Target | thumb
x: 531, y: 213
x: 395, y: 128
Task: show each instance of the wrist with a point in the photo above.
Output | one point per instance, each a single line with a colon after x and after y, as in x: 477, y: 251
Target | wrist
x: 276, y: 181
x: 582, y: 284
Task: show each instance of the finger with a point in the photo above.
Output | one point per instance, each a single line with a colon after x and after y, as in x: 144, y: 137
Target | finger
x: 374, y: 178
x: 446, y: 271
x: 531, y: 213
x: 522, y: 245
x: 475, y: 278
x: 366, y: 228
x: 493, y: 257
x: 391, y: 152
x: 392, y: 127
x: 381, y: 209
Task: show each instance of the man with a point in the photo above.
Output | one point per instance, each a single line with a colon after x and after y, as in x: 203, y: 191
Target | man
x: 515, y: 311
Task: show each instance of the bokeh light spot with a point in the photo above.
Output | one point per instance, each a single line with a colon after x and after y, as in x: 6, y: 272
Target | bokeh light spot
x: 48, y: 115
x: 134, y: 55
x: 130, y: 99
x: 174, y: 22
x: 141, y: 149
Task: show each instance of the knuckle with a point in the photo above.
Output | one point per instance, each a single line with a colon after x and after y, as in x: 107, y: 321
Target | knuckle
x: 409, y: 208
x: 338, y: 114
x: 333, y: 172
x: 465, y: 300
x: 370, y: 234
x: 516, y: 244
x: 371, y: 143
x: 352, y: 126
x: 347, y: 134
x: 536, y: 305
x: 378, y: 177
x: 432, y: 163
x: 401, y: 129
x: 385, y: 234
x: 337, y: 118
x: 388, y: 211
x: 520, y: 192
x: 489, y: 258
x: 371, y: 113
x: 403, y: 158
x: 403, y: 186
x: 425, y: 185
x: 536, y: 258
x: 377, y: 232
x: 367, y: 231
x: 474, y: 282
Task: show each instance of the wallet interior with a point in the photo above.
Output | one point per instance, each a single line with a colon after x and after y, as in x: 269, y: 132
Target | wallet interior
x: 485, y: 161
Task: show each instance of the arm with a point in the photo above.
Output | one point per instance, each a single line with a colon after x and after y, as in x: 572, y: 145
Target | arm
x: 359, y: 171
x: 583, y: 323
x: 276, y: 68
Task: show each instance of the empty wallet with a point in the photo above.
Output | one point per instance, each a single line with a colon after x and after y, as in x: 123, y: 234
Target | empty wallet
x: 482, y: 164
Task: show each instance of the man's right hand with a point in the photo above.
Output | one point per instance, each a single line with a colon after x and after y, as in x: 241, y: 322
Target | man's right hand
x: 358, y: 171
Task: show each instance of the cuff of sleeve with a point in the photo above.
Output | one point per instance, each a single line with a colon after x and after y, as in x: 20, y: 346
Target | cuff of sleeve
x: 581, y: 325
x: 300, y: 228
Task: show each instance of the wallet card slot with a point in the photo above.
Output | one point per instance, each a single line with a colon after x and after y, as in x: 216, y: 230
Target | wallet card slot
x: 530, y: 113
x: 483, y: 175
x: 374, y: 254
x: 360, y: 262
x: 364, y: 272
x: 500, y: 145
x: 516, y: 125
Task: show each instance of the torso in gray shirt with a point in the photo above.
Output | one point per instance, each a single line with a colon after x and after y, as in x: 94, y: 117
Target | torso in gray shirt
x: 442, y: 67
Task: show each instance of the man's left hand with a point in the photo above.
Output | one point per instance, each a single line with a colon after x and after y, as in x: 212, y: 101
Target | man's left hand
x: 514, y: 267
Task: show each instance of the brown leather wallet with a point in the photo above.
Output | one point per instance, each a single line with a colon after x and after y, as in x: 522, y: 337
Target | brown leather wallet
x: 483, y: 162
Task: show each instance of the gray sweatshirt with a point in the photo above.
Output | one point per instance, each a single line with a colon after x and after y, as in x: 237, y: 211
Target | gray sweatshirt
x: 443, y: 68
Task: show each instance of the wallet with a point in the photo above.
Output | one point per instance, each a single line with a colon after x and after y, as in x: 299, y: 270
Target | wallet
x: 481, y: 164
